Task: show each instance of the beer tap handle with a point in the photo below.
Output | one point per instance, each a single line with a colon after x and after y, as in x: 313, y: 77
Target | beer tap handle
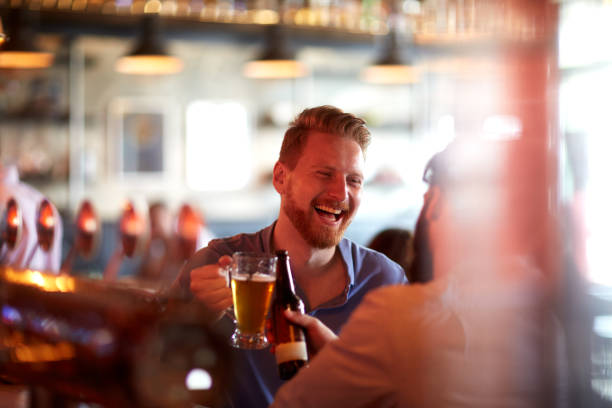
x: 69, y: 260
x: 112, y: 268
x: 10, y: 229
x: 45, y: 229
x: 87, y: 230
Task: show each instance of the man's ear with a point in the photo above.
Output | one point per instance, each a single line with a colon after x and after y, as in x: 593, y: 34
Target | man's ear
x: 433, y: 201
x: 279, y: 177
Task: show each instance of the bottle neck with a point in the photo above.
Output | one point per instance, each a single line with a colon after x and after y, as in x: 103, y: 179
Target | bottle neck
x: 284, y: 279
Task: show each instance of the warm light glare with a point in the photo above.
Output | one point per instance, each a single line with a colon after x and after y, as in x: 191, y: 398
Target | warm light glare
x: 48, y: 221
x: 451, y: 37
x: 152, y: 6
x: 86, y: 219
x: 48, y: 283
x: 305, y: 16
x: 265, y: 17
x: 45, y: 216
x: 37, y: 353
x: 198, y: 379
x: 25, y: 60
x: 89, y: 225
x: 45, y: 225
x: 390, y: 74
x: 37, y: 279
x: 149, y: 65
x: 13, y: 217
x: 274, y: 69
x: 132, y: 224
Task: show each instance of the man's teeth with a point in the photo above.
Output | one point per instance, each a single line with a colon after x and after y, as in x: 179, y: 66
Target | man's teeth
x: 328, y: 209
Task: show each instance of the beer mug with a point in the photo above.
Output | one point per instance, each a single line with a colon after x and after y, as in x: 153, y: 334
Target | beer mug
x: 252, y: 277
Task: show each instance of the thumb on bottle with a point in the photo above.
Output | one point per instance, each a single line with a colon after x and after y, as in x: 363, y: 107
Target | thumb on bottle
x: 299, y: 318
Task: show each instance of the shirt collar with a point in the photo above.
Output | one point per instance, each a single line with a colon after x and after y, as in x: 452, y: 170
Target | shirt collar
x: 345, y: 252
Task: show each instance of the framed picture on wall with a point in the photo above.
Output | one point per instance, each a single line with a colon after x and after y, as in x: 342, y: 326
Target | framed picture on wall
x: 139, y: 134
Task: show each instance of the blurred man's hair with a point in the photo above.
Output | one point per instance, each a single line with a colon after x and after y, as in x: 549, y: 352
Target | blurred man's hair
x: 496, y: 191
x: 324, y: 119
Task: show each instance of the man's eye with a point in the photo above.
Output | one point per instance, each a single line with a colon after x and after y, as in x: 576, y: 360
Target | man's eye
x: 355, y: 181
x: 324, y: 173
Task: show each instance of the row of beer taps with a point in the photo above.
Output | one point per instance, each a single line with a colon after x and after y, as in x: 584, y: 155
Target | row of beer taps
x: 132, y: 229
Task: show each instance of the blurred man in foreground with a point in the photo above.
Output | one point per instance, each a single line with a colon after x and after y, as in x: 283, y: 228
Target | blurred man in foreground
x: 319, y: 176
x: 481, y: 334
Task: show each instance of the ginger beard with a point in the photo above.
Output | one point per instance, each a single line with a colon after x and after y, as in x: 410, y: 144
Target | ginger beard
x: 315, y: 233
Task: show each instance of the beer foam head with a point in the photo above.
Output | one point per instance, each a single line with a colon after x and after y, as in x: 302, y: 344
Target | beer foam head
x: 256, y: 277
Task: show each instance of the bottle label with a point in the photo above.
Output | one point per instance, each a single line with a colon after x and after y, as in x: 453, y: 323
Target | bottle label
x: 291, y: 351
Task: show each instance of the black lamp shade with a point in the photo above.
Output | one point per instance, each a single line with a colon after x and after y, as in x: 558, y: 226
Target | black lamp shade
x: 149, y: 56
x: 390, y: 68
x: 150, y: 41
x: 277, y: 60
x: 276, y: 46
x: 18, y: 49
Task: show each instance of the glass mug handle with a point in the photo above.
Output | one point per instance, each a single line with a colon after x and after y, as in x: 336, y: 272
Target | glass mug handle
x: 229, y: 312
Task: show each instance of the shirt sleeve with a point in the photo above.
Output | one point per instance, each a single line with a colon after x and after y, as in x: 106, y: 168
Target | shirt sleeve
x: 353, y: 370
x: 180, y: 288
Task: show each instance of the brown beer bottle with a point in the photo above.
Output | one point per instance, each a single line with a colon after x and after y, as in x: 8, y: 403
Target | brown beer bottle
x: 290, y: 339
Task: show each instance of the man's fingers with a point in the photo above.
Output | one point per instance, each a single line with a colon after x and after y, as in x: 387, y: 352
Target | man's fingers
x: 213, y: 296
x: 224, y: 261
x: 300, y: 319
x: 221, y: 305
x: 203, y: 284
x: 207, y: 272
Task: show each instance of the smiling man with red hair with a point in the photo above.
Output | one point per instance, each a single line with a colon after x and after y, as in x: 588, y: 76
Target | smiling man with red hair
x: 319, y: 177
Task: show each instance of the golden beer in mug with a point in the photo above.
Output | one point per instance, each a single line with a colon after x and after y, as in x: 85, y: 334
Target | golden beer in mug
x: 251, y: 302
x: 253, y: 276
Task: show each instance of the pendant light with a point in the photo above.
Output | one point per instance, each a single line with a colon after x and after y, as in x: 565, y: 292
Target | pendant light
x: 149, y: 56
x: 18, y: 50
x: 277, y: 61
x: 390, y: 68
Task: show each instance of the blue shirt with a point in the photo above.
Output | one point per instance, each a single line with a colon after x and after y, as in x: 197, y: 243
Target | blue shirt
x: 255, y: 375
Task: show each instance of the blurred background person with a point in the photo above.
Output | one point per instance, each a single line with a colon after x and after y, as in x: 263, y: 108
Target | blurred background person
x: 396, y: 243
x: 159, y: 261
x: 172, y: 240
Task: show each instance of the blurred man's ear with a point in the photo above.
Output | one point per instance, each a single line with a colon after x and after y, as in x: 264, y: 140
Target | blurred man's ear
x: 279, y: 177
x: 433, y: 203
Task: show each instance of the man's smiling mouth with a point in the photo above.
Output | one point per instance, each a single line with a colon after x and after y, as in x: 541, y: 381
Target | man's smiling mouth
x: 329, y: 212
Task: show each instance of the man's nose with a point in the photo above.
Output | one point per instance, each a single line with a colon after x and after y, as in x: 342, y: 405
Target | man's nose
x: 338, y: 189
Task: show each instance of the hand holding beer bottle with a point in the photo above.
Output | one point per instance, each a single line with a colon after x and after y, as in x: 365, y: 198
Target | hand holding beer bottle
x: 318, y: 334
